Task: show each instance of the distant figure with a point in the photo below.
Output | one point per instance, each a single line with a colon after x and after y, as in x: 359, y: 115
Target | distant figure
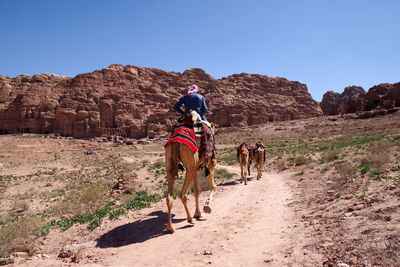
x: 192, y: 101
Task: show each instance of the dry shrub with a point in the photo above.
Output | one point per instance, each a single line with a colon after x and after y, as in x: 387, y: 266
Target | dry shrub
x: 281, y: 165
x: 300, y: 160
x: 82, y: 202
x: 20, y: 235
x: 324, y: 146
x: 378, y: 154
x: 331, y: 155
x: 344, y: 172
x: 204, y: 185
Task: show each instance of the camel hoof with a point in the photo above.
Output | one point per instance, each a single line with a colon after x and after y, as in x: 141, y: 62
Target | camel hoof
x: 197, y: 215
x: 170, y: 229
x: 207, y: 209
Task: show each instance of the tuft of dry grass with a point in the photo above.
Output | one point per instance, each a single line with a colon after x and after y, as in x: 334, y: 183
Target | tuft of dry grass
x: 20, y: 235
x: 331, y: 155
x: 378, y: 154
x: 83, y: 201
x: 300, y: 160
x: 281, y: 165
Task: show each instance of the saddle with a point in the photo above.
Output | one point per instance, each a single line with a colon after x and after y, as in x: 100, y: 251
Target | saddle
x: 248, y: 148
x: 259, y: 145
x: 195, y: 133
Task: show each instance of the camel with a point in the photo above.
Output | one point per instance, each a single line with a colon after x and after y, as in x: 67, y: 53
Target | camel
x: 180, y: 152
x: 244, y: 157
x: 259, y: 157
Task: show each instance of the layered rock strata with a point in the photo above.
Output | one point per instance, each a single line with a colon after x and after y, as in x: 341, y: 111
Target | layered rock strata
x: 138, y: 102
x: 354, y: 99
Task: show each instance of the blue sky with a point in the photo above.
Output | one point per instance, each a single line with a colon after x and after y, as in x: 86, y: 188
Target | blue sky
x: 326, y: 44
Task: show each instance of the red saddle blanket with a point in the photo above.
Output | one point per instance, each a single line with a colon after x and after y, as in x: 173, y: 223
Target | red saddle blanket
x: 184, y: 135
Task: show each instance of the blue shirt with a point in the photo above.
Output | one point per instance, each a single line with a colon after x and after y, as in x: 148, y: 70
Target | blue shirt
x: 194, y: 102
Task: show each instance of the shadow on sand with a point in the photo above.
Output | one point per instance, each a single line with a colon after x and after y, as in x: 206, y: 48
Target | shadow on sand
x: 136, y: 232
x: 235, y: 182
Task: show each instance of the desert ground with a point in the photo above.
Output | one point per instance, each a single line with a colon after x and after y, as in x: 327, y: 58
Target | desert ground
x: 329, y: 196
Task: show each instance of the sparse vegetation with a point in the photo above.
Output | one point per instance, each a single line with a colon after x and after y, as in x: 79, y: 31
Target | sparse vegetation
x: 20, y: 234
x: 331, y: 155
x: 341, y: 170
x: 300, y: 160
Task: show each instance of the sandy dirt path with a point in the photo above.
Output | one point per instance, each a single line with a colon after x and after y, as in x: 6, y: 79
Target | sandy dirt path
x: 250, y: 225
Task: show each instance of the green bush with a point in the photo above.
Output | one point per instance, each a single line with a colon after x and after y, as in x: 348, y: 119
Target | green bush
x: 365, y: 168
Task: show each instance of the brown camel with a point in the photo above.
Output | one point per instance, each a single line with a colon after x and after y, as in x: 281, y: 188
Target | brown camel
x: 259, y: 157
x: 179, y: 152
x: 243, y: 155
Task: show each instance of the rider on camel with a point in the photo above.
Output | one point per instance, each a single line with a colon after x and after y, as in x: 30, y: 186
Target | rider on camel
x: 193, y: 101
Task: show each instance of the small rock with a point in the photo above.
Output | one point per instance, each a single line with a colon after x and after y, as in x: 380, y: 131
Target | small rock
x: 19, y: 255
x: 350, y: 209
x: 393, y: 186
x: 207, y: 252
x: 65, y: 253
x: 343, y: 265
x: 330, y: 192
x: 268, y: 260
x: 7, y: 261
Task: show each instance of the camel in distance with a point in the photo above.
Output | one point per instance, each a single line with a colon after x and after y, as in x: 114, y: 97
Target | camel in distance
x: 244, y: 158
x: 258, y: 154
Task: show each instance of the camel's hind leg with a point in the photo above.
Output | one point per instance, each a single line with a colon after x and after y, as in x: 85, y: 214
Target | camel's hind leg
x: 260, y: 161
x: 244, y: 163
x: 189, y: 161
x: 213, y: 187
x: 241, y: 168
x: 171, y: 162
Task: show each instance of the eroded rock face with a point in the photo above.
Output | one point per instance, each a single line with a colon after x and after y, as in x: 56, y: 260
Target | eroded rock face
x: 355, y: 99
x: 138, y: 102
x: 330, y: 103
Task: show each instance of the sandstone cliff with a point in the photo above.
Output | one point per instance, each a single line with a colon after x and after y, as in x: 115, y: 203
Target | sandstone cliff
x: 138, y: 102
x: 355, y: 99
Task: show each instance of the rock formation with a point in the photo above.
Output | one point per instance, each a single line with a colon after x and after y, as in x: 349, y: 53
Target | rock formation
x: 355, y: 99
x: 138, y: 102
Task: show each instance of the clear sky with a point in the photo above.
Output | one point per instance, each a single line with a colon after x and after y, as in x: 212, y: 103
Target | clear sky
x: 326, y: 44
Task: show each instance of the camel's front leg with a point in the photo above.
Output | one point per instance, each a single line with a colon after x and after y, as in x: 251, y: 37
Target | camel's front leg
x: 190, y: 173
x: 241, y: 170
x: 170, y: 201
x: 259, y: 171
x: 245, y: 175
x: 213, y: 186
x: 197, y: 212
